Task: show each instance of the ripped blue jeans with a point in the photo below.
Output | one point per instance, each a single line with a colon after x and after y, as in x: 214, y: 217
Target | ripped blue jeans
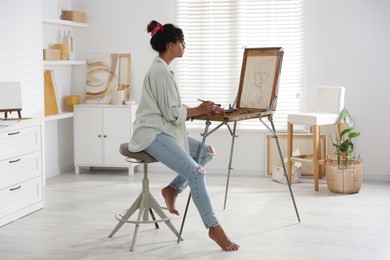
x: 169, y: 152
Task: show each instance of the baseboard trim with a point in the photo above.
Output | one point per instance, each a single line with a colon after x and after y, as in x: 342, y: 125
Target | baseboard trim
x: 159, y: 167
x: 370, y: 176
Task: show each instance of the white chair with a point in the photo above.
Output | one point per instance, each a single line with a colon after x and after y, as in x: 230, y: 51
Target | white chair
x: 329, y: 102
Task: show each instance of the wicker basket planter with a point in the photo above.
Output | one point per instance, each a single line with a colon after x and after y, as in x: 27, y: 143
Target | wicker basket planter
x: 345, y: 179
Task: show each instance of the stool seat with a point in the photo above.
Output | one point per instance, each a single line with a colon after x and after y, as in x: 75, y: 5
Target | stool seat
x: 313, y: 118
x: 142, y: 156
x: 145, y: 203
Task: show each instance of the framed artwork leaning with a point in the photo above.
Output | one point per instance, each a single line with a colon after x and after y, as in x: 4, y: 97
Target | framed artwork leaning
x: 259, y: 80
x: 108, y: 74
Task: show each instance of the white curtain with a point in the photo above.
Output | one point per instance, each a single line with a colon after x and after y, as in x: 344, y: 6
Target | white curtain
x: 216, y: 33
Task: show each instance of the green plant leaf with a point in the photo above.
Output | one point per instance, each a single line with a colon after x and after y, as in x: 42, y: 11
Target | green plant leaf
x: 353, y: 134
x: 346, y: 130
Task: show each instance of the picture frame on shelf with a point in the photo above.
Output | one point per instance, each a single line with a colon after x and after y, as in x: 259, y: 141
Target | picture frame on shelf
x: 51, y: 100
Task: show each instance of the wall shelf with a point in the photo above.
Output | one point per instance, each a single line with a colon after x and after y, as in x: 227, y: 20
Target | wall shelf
x: 64, y: 62
x: 63, y: 22
x: 59, y: 116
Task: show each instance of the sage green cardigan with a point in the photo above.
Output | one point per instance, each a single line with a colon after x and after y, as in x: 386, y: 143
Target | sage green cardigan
x: 160, y: 109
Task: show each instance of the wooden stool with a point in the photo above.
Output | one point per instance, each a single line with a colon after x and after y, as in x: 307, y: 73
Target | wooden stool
x: 329, y: 102
x: 145, y: 202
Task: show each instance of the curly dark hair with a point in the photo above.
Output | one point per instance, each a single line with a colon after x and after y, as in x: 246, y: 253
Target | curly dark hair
x: 168, y: 33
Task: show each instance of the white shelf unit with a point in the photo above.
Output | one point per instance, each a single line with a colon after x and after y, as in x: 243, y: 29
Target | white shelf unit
x: 59, y: 116
x: 51, y: 27
x: 64, y: 62
x: 64, y: 22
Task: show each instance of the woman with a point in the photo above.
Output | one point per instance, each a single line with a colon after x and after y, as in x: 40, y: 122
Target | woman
x: 159, y: 129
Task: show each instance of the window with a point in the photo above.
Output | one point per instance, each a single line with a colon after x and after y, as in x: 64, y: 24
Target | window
x: 216, y: 33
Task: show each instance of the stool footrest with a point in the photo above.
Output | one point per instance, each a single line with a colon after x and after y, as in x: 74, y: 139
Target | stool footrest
x: 302, y: 160
x: 120, y: 217
x: 305, y: 160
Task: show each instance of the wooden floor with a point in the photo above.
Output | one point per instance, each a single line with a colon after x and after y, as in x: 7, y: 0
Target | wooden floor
x: 79, y: 215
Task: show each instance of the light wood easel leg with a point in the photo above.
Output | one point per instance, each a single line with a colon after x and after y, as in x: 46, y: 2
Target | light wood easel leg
x: 316, y: 155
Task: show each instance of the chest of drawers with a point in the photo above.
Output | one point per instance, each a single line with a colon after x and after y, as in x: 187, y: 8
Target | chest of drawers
x: 21, y: 178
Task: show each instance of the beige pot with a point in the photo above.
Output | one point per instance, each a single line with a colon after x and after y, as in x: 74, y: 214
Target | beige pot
x: 117, y: 97
x: 345, y: 179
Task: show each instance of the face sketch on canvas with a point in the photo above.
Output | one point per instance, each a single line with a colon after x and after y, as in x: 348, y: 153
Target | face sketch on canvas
x: 261, y: 73
x: 257, y: 85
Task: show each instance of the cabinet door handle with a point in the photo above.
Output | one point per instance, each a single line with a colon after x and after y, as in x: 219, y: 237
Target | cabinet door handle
x: 14, y: 133
x: 99, y: 136
x: 14, y: 161
x: 105, y: 136
x: 16, y: 188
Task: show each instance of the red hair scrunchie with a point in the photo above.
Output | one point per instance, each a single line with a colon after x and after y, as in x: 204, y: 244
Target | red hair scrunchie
x: 157, y: 29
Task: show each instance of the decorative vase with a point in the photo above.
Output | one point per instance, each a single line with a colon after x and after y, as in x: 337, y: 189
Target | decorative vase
x: 64, y: 50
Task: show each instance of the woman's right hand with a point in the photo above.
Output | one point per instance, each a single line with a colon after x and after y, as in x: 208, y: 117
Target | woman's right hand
x: 206, y: 107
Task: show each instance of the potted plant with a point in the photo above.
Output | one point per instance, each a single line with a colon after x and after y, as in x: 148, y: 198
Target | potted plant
x: 343, y: 144
x: 344, y: 174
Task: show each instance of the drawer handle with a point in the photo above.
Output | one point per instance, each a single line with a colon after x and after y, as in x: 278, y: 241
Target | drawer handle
x: 14, y: 161
x: 14, y: 133
x: 16, y: 188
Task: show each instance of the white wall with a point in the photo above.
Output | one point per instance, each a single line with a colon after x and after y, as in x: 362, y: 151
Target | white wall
x: 21, y: 51
x: 347, y: 45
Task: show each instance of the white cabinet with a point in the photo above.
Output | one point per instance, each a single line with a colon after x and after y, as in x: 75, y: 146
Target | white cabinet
x: 21, y: 179
x: 99, y: 130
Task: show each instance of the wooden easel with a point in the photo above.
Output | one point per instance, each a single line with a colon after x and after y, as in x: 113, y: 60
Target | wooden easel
x: 6, y: 111
x: 237, y: 112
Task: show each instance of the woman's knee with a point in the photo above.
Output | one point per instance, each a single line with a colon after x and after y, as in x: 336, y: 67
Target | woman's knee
x: 211, y: 151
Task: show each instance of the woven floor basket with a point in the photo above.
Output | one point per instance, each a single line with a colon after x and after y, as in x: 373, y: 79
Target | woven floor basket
x: 344, y: 179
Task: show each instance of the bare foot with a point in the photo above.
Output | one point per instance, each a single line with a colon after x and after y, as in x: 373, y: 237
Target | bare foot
x: 218, y: 235
x: 170, y: 195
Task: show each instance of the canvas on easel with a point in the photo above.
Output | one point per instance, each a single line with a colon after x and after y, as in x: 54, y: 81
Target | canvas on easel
x: 51, y: 101
x: 10, y: 98
x: 259, y: 80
